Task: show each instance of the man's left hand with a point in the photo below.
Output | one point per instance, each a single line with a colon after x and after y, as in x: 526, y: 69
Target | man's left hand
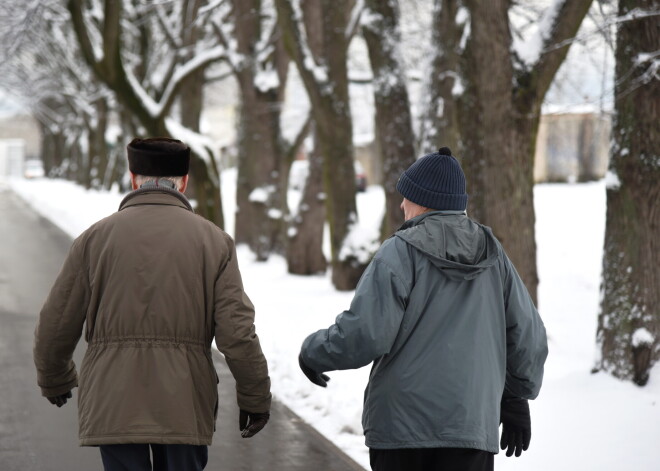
x: 516, y: 425
x: 60, y: 400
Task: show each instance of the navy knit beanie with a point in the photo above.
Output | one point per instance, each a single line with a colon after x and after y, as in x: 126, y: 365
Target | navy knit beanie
x: 435, y: 181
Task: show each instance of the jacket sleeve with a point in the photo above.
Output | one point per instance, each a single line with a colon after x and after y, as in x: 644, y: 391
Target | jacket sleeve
x: 527, y: 345
x: 60, y: 326
x: 368, y: 329
x: 236, y: 338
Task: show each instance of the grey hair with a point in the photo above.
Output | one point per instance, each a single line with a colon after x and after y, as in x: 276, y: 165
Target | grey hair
x: 142, y: 179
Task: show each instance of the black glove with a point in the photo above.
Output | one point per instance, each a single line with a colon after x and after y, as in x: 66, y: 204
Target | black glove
x: 319, y: 379
x: 516, y: 425
x: 250, y: 423
x: 60, y: 400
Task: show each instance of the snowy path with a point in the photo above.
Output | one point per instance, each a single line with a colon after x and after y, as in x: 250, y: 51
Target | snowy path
x: 36, y: 435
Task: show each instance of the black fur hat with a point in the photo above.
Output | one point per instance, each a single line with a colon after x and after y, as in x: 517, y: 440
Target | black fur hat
x: 158, y: 157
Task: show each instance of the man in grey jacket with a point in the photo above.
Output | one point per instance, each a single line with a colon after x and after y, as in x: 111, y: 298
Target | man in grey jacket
x: 456, y: 343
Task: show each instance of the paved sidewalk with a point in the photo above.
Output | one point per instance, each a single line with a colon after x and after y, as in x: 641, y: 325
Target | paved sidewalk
x: 36, y: 436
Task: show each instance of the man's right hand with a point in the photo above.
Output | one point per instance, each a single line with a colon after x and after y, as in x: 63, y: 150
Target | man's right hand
x: 60, y: 400
x: 251, y: 423
x: 516, y: 425
x: 320, y: 379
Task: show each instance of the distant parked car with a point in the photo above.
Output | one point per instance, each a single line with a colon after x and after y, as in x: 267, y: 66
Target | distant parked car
x: 360, y: 177
x: 33, y: 169
x: 300, y: 170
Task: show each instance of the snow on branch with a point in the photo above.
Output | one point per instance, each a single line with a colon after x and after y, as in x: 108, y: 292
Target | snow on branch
x: 361, y: 241
x: 202, y: 146
x: 370, y: 19
x: 166, y: 28
x: 199, y: 61
x: 529, y: 49
x: 211, y: 6
x: 267, y: 79
x: 464, y: 20
x: 389, y: 75
x: 227, y: 39
x: 318, y: 72
x: 265, y: 46
x: 642, y: 338
x: 355, y: 19
x: 95, y: 36
x: 157, y: 109
x: 154, y: 109
x: 636, y: 14
x: 652, y: 72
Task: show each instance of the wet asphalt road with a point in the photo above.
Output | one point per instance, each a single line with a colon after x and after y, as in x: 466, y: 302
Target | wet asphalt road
x: 37, y: 436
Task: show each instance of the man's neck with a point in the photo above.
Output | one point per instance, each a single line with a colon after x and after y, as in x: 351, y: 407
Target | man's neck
x: 159, y: 183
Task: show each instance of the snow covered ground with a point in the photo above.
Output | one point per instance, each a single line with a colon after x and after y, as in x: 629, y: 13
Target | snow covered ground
x: 581, y: 421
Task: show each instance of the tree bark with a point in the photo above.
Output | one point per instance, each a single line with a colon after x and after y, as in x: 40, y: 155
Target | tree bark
x: 496, y: 191
x: 52, y: 150
x: 393, y: 119
x: 439, y: 125
x: 629, y: 321
x: 499, y: 112
x: 305, y: 247
x: 260, y: 192
x: 327, y: 88
x: 307, y: 225
x: 191, y: 102
x: 97, y: 147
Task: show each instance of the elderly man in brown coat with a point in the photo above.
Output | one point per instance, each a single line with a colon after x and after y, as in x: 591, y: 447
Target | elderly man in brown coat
x: 151, y: 286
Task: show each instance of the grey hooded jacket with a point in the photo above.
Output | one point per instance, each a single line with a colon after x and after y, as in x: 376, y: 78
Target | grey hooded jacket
x: 448, y: 323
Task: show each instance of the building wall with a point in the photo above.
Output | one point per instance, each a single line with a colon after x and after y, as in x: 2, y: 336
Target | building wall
x: 22, y: 127
x: 572, y: 147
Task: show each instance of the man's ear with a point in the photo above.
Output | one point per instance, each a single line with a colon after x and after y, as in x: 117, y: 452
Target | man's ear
x: 184, y: 184
x: 133, y: 180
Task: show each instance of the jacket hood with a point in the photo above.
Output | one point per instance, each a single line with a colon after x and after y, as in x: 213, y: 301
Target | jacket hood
x: 453, y: 242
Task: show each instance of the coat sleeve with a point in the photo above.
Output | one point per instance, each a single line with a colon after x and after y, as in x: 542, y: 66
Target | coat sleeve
x: 527, y: 345
x: 367, y: 330
x: 60, y: 326
x: 237, y: 340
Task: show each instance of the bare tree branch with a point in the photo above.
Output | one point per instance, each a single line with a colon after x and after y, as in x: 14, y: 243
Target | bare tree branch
x: 566, y: 23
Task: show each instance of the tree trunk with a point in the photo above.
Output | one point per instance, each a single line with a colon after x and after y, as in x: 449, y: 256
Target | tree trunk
x: 305, y: 247
x: 393, y: 120
x: 439, y: 124
x: 305, y: 235
x: 52, y: 150
x: 629, y: 320
x: 76, y: 168
x: 205, y: 178
x: 495, y: 155
x: 260, y: 191
x: 335, y: 128
x: 327, y: 88
x: 97, y: 148
x: 499, y: 111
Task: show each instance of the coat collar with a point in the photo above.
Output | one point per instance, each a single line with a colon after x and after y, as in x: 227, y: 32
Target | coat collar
x: 155, y: 196
x: 418, y: 219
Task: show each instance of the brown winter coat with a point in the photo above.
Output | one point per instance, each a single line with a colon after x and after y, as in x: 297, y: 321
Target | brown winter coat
x: 152, y: 284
